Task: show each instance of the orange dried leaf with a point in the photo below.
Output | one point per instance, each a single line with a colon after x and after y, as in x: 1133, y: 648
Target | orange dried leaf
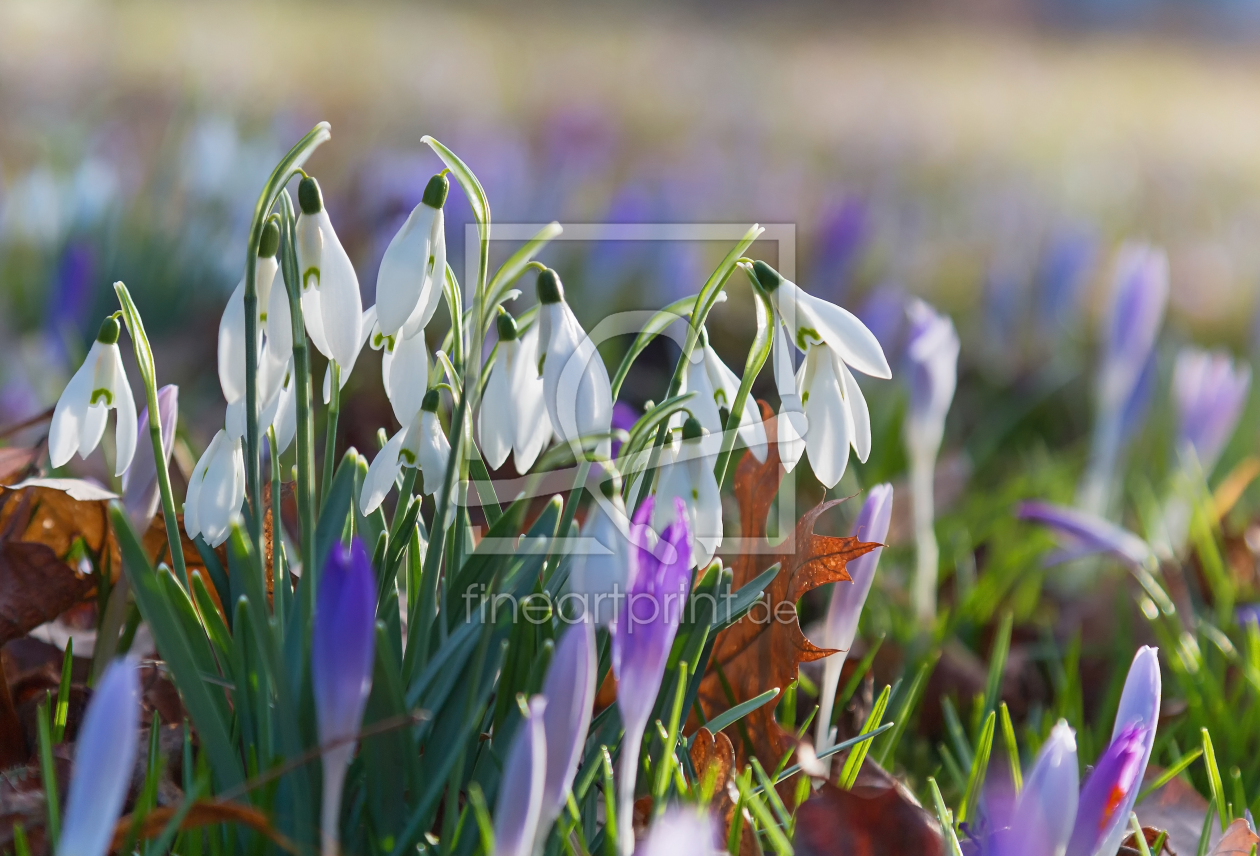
x: 202, y: 813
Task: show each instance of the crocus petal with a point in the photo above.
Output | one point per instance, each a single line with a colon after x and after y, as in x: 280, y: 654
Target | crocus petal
x: 343, y: 641
x: 1089, y: 532
x: 1108, y: 794
x: 1046, y: 810
x: 140, y: 482
x: 570, y: 694
x: 932, y: 358
x: 682, y: 831
x: 381, y: 474
x: 1209, y: 393
x: 104, y: 756
x: 71, y: 416
x: 521, y: 788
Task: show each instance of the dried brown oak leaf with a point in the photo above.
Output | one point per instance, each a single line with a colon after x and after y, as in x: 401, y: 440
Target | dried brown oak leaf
x: 760, y: 650
x: 878, y: 817
x: 1238, y: 840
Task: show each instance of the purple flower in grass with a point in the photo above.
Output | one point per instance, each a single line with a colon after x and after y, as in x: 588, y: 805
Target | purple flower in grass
x: 1209, y: 391
x: 642, y: 635
x: 103, y: 760
x: 140, y: 482
x: 1045, y: 811
x: 570, y: 694
x: 847, y: 600
x: 342, y: 650
x: 1085, y: 534
x: 682, y: 831
x: 623, y: 418
x: 521, y: 788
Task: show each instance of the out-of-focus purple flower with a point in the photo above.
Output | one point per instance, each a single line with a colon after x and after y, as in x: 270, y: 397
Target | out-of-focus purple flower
x: 1085, y: 534
x: 1139, y: 297
x: 1248, y: 613
x: 103, y: 760
x: 570, y: 694
x: 932, y: 364
x: 1133, y: 416
x: 682, y: 831
x: 884, y: 314
x: 847, y: 600
x: 1045, y: 812
x: 521, y: 788
x: 70, y: 299
x: 623, y: 418
x: 1005, y: 304
x: 342, y: 649
x: 1108, y: 792
x: 642, y: 636
x: 1111, y: 790
x: 140, y: 482
x: 1209, y: 391
x: 1062, y: 272
x: 840, y: 238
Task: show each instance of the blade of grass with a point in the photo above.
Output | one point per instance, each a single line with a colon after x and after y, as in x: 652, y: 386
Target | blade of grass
x: 1169, y: 774
x: 48, y: 774
x: 997, y: 662
x: 1012, y: 748
x: 945, y: 818
x: 1214, y: 778
x: 979, y: 769
x: 852, y: 764
x: 63, y: 695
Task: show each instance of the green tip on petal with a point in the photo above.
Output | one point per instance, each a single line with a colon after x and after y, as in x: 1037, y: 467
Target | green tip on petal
x: 692, y: 429
x: 506, y: 326
x: 549, y: 288
x: 269, y: 243
x: 109, y: 332
x: 430, y: 402
x: 435, y: 191
x: 769, y: 278
x: 309, y: 196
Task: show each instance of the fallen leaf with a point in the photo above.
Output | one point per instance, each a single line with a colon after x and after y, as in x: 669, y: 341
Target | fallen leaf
x: 869, y: 820
x: 1151, y: 834
x: 15, y: 462
x: 35, y: 586
x: 714, y: 753
x: 1176, y: 807
x: 12, y: 737
x: 1239, y: 840
x: 764, y: 649
x: 202, y: 813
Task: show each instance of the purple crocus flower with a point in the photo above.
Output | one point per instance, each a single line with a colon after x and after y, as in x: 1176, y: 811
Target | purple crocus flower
x: 841, y: 237
x: 1062, y: 272
x: 1045, y: 812
x: 103, y: 760
x: 1136, y: 312
x: 342, y: 650
x: 932, y: 369
x: 682, y: 831
x: 140, y: 482
x: 847, y: 600
x: 521, y: 788
x: 570, y: 694
x: 623, y: 418
x: 1085, y: 534
x: 1209, y: 391
x: 642, y: 636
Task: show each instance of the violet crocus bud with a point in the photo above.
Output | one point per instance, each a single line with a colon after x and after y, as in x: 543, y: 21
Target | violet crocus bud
x: 682, y: 831
x: 342, y: 649
x: 104, y: 757
x: 1085, y: 534
x: 521, y: 788
x: 140, y: 482
x: 1045, y: 812
x: 1209, y: 390
x: 1139, y: 297
x: 570, y: 694
x: 847, y: 600
x: 932, y: 358
x: 660, y: 575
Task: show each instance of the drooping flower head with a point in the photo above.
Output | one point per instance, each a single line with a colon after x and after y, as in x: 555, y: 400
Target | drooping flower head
x: 215, y: 490
x: 421, y: 443
x: 104, y: 757
x: 409, y: 283
x: 100, y: 385
x: 513, y: 414
x: 140, y: 482
x: 1209, y: 391
x: 331, y: 304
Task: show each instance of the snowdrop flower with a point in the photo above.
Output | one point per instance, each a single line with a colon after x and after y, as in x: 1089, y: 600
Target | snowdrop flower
x: 215, y: 490
x: 367, y: 323
x: 420, y: 443
x: 520, y: 797
x: 1045, y: 812
x: 140, y: 482
x: 847, y: 600
x: 401, y: 365
x: 232, y: 323
x: 812, y: 320
x: 104, y: 756
x: 98, y: 386
x: 1139, y: 297
x: 570, y: 694
x: 641, y: 638
x: 331, y: 304
x: 689, y: 479
x: 575, y: 381
x: 343, y: 639
x: 682, y: 831
x: 513, y: 414
x: 932, y: 357
x: 1112, y: 789
x: 791, y: 422
x: 598, y: 579
x: 413, y: 269
x: 716, y: 387
x: 1209, y: 391
x: 836, y: 413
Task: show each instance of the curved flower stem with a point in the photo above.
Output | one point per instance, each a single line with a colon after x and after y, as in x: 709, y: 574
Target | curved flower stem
x: 280, y: 590
x: 922, y: 478
x: 330, y: 432
x: 144, y: 359
x: 758, y: 353
x: 627, y: 773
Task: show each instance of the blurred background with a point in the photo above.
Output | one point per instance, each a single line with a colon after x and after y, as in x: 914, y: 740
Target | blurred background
x: 990, y: 155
